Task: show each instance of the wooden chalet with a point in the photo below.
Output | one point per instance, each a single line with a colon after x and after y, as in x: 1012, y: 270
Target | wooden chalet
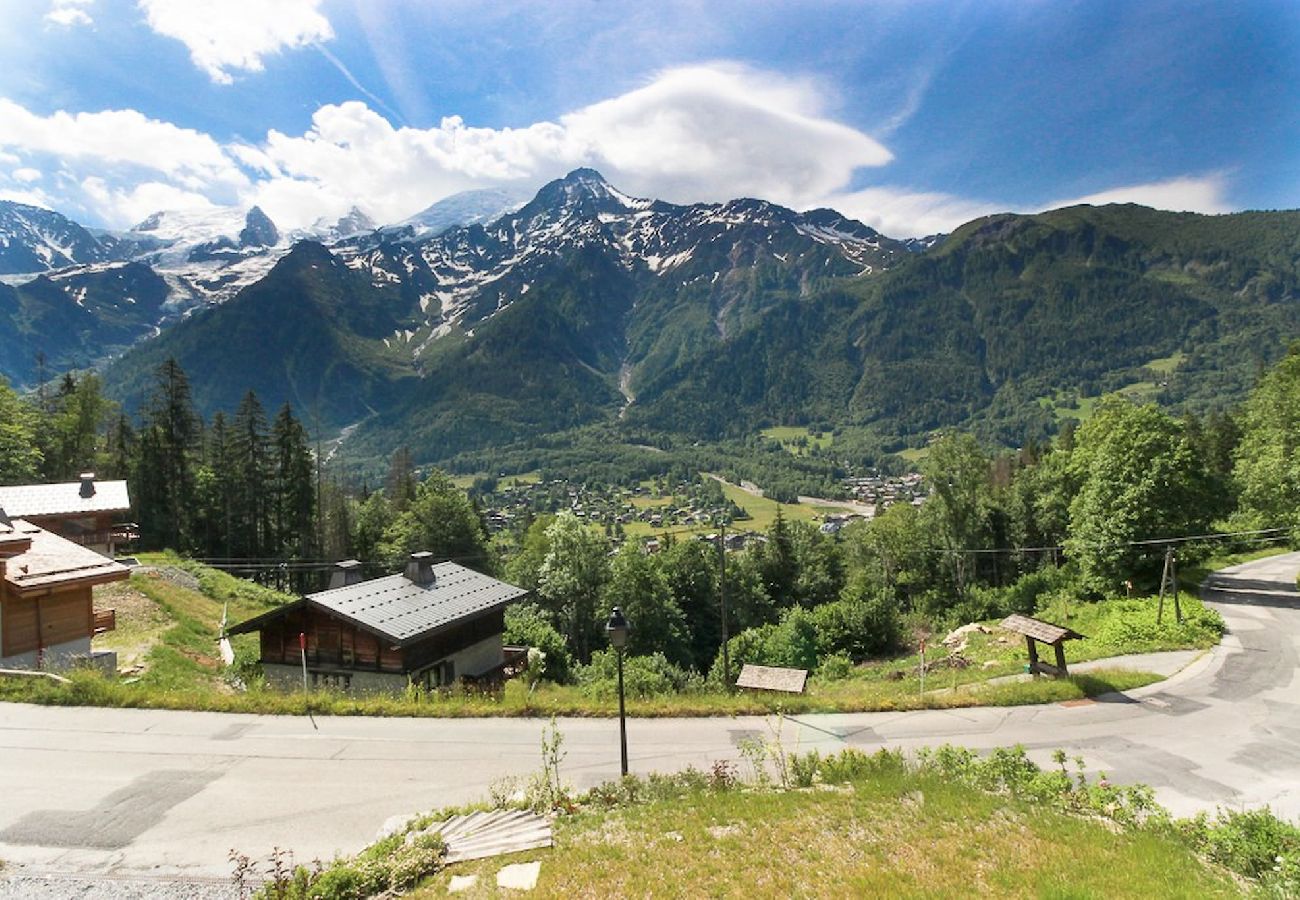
x: 47, y: 613
x: 434, y: 625
x: 86, y: 512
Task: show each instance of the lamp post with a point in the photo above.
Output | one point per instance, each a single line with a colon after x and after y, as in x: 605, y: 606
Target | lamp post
x: 617, y: 629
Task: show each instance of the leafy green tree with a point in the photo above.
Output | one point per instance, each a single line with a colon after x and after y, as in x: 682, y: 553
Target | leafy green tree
x: 1267, y: 466
x: 373, y: 517
x: 527, y: 625
x: 525, y: 566
x: 777, y: 566
x: 20, y: 458
x: 637, y: 585
x: 572, y: 581
x: 819, y: 566
x: 891, y: 553
x: 439, y: 519
x: 692, y: 569
x: 960, y: 506
x: 1139, y: 480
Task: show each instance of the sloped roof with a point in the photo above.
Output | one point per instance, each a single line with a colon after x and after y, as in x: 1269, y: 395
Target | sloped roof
x: 28, y: 500
x: 52, y: 560
x: 402, y: 611
x: 1040, y: 630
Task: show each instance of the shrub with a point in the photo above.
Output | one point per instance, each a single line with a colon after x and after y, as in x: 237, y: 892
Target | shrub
x: 643, y: 676
x: 527, y: 625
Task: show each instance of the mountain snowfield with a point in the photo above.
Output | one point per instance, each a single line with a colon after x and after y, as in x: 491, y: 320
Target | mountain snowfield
x: 468, y: 256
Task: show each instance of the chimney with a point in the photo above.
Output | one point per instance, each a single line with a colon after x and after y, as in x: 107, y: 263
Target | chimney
x: 87, y: 484
x: 346, y: 572
x: 420, y: 568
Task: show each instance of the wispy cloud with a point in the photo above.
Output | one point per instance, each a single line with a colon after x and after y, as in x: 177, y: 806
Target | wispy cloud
x: 69, y: 13
x: 237, y: 34
x: 1202, y: 194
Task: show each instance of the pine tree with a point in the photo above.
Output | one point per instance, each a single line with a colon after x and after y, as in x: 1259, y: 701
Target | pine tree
x: 294, y: 488
x: 251, y: 457
x: 165, y: 476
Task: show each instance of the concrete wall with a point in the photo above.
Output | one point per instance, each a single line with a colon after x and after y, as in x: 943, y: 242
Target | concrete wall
x: 478, y: 658
x: 289, y: 678
x: 57, y: 657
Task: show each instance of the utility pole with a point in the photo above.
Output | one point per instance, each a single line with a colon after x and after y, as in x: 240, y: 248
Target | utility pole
x: 722, y: 602
x: 1169, y: 579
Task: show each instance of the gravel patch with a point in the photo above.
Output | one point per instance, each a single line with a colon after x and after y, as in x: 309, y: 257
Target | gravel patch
x: 109, y: 887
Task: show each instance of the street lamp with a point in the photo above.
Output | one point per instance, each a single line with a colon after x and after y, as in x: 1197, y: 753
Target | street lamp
x: 617, y: 629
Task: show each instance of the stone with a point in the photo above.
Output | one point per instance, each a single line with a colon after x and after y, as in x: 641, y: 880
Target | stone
x: 460, y: 883
x: 959, y: 634
x: 519, y: 876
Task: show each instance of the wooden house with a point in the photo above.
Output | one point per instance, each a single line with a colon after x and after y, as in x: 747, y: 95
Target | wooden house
x: 86, y: 512
x: 47, y: 613
x: 434, y: 625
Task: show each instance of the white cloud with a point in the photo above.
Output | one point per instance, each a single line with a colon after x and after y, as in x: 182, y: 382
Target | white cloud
x: 718, y: 132
x: 69, y: 13
x: 1203, y: 194
x: 699, y: 133
x: 120, y: 137
x: 135, y: 203
x: 898, y: 212
x: 225, y: 35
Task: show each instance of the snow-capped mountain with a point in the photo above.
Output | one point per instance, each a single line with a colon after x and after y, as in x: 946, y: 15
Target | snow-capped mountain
x: 38, y: 240
x: 462, y: 209
x: 466, y: 274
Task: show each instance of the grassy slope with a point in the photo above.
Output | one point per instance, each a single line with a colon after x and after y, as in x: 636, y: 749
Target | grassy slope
x: 895, y: 835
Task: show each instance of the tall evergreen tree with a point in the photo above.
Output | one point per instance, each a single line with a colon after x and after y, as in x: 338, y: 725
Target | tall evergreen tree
x: 251, y: 501
x: 294, y: 488
x: 168, y: 444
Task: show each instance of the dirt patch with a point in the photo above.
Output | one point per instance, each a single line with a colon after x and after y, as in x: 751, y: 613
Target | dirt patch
x: 141, y: 624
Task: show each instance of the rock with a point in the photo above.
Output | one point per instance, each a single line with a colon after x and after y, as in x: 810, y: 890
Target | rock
x: 519, y: 876
x: 460, y: 883
x: 959, y: 634
x: 990, y: 664
x: 393, y: 824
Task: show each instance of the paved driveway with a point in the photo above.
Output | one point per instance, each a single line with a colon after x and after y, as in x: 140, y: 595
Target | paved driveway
x: 134, y: 792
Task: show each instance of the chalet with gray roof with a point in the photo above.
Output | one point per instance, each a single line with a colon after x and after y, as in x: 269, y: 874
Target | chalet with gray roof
x: 434, y: 625
x: 87, y: 512
x: 47, y: 613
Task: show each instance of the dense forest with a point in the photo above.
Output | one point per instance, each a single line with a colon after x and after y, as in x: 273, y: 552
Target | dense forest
x: 1090, y: 514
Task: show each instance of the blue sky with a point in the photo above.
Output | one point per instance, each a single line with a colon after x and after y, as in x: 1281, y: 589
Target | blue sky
x: 912, y: 116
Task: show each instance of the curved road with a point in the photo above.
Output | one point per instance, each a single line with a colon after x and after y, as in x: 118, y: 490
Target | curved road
x: 130, y: 793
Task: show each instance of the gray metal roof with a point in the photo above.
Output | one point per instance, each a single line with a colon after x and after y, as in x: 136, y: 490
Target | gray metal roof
x: 402, y: 610
x: 28, y: 500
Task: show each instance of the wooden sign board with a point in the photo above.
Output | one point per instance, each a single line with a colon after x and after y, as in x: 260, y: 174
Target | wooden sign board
x: 772, y: 678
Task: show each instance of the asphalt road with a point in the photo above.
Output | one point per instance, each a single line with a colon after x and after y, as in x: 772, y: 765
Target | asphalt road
x: 141, y: 794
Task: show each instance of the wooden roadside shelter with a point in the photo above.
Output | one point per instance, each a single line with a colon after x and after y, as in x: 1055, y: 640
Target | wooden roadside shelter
x: 1037, y: 631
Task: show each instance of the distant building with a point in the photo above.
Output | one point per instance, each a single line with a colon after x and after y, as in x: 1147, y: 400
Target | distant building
x: 47, y: 614
x: 86, y: 512
x: 434, y: 625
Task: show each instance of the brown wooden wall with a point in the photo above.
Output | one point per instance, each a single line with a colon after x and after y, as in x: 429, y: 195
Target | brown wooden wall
x: 330, y: 642
x: 64, y: 616
x: 335, y: 642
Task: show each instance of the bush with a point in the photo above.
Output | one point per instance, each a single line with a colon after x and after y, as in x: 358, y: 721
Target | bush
x: 527, y: 625
x: 858, y: 627
x: 643, y: 676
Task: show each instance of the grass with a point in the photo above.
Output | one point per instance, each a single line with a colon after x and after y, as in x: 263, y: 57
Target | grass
x: 182, y: 670
x: 914, y: 454
x: 894, y: 833
x: 789, y: 437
